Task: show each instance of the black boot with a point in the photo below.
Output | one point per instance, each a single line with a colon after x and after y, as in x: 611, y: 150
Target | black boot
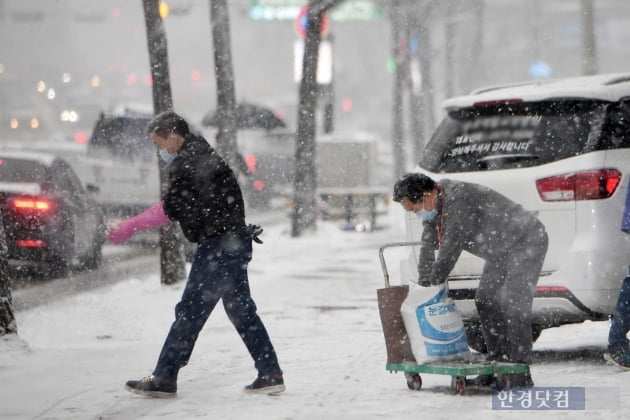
x: 518, y: 380
x: 152, y: 386
x: 267, y: 384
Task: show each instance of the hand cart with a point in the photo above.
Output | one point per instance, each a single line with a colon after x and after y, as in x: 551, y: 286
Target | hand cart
x: 400, y: 357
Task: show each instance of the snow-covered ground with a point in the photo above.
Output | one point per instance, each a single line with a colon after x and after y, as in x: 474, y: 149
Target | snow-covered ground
x: 317, y: 297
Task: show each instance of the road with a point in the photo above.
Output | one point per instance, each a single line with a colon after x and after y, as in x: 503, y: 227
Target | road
x: 120, y: 262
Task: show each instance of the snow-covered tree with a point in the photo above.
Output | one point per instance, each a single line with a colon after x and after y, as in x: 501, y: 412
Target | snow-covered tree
x: 172, y: 260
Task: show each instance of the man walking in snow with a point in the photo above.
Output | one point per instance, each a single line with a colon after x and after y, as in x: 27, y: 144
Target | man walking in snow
x: 460, y: 216
x: 205, y: 198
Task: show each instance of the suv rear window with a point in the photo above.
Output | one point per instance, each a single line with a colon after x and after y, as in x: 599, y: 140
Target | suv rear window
x: 122, y: 137
x: 517, y: 135
x: 20, y: 170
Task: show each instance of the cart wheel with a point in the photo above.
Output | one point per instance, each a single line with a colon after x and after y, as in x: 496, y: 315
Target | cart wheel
x: 414, y: 381
x: 458, y: 384
x: 504, y: 381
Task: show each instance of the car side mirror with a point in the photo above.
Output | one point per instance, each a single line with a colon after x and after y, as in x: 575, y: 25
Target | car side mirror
x: 92, y: 188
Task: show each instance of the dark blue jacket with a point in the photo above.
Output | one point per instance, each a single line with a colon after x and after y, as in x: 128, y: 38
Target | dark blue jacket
x: 203, y: 195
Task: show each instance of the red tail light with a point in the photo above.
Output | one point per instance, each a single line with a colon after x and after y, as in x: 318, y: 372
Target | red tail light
x: 32, y: 204
x: 544, y: 289
x: 587, y: 185
x: 258, y: 185
x: 30, y: 243
x: 250, y: 161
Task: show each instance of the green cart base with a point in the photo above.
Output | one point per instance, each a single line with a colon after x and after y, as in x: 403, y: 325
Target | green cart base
x: 457, y: 370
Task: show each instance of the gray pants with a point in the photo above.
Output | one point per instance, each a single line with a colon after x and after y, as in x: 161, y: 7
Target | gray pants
x: 504, y: 298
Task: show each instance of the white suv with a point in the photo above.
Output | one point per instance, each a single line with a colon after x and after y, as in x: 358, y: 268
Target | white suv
x: 561, y: 148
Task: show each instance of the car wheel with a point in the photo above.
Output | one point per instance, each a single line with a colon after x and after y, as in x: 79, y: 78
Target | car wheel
x: 63, y: 254
x: 59, y: 266
x: 93, y: 260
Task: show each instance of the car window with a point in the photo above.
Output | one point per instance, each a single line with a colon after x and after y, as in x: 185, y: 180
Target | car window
x: 515, y: 135
x: 122, y: 137
x: 617, y: 128
x: 21, y: 170
x: 66, y: 181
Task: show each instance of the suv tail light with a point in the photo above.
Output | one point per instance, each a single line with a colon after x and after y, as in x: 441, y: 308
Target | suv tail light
x: 32, y: 205
x: 30, y: 243
x: 586, y: 185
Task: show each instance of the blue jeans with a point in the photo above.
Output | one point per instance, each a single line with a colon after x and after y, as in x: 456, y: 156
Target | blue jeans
x: 617, y: 335
x: 218, y: 272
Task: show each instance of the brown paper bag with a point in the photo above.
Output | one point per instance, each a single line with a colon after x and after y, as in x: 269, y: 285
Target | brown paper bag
x: 397, y: 343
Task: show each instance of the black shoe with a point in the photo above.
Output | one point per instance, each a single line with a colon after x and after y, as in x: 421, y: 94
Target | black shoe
x: 271, y: 385
x: 151, y: 386
x: 619, y: 358
x: 482, y: 381
x: 518, y: 380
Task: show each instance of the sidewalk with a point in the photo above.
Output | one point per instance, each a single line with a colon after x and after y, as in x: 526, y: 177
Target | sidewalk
x: 317, y: 297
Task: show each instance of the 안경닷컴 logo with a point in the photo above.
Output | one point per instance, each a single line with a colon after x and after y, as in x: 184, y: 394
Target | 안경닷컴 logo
x: 539, y: 398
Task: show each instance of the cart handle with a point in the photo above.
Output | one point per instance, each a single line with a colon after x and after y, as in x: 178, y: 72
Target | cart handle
x: 381, y: 257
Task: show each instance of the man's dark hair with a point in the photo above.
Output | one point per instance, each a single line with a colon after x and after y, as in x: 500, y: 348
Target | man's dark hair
x: 168, y: 122
x: 412, y: 187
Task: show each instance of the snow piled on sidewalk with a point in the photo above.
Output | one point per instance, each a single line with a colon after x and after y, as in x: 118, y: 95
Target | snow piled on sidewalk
x: 317, y: 296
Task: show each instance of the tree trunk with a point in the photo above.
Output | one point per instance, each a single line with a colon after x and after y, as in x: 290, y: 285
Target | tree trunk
x: 226, y: 101
x: 589, y: 41
x: 450, y: 44
x: 421, y: 102
x: 414, y: 82
x: 7, y: 319
x: 304, y: 203
x: 172, y: 260
x: 305, y: 185
x: 398, y: 46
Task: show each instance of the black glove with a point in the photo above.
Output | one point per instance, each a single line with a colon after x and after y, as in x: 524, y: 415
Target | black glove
x: 254, y: 231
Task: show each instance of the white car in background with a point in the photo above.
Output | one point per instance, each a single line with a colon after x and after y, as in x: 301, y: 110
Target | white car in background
x: 561, y: 148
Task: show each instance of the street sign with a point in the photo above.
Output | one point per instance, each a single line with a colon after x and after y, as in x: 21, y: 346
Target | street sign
x: 274, y: 9
x: 356, y: 10
x: 348, y: 10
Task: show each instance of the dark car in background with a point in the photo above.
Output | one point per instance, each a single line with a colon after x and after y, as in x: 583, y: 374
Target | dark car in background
x: 50, y: 220
x: 122, y: 160
x: 268, y: 166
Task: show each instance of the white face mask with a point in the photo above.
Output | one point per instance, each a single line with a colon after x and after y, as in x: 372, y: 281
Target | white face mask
x: 166, y: 156
x: 426, y: 215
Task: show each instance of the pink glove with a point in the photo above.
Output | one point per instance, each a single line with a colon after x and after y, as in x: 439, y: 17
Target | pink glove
x: 150, y: 218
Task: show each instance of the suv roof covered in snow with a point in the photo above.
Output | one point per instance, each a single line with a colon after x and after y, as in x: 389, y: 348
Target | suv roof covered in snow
x: 610, y: 87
